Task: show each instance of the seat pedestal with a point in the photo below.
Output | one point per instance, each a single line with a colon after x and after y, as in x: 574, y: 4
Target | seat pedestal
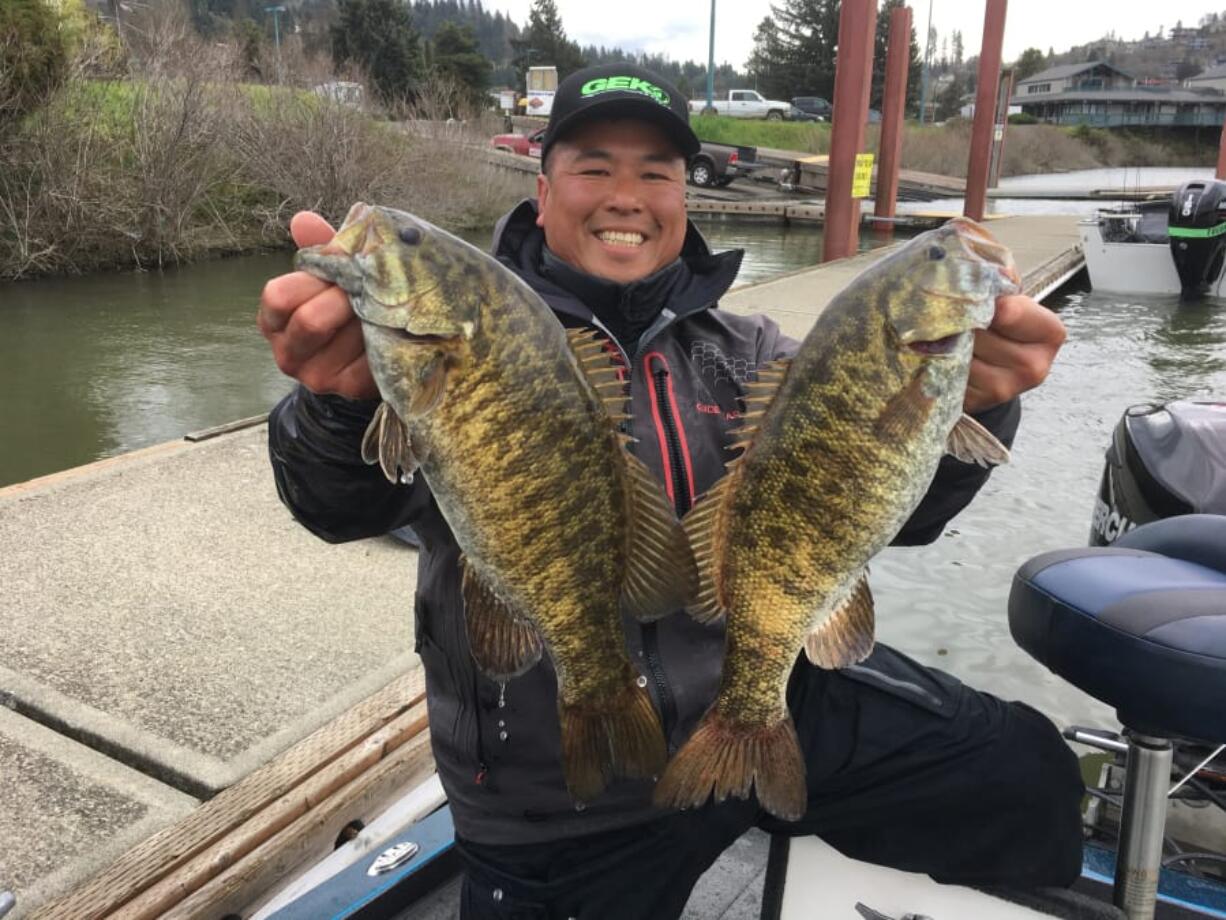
x: 1143, y: 821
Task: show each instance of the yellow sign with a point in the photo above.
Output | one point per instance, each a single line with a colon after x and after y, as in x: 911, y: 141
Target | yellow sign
x: 862, y: 179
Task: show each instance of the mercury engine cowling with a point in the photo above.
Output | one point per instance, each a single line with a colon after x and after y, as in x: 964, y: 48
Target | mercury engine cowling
x: 1197, y: 229
x: 1163, y: 461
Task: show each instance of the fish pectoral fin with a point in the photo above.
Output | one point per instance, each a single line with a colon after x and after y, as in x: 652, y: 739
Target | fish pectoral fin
x: 970, y: 442
x: 846, y: 636
x: 431, y: 387
x: 661, y: 576
x: 386, y: 443
x: 704, y: 527
x: 904, y: 416
x: 503, y: 643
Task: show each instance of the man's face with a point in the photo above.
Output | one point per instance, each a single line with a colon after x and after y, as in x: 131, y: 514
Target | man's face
x: 613, y: 200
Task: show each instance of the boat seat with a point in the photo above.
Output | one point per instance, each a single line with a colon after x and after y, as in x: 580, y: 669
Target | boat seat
x: 1140, y: 625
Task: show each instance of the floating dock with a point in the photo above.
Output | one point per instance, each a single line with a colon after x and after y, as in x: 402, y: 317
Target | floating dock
x: 199, y: 695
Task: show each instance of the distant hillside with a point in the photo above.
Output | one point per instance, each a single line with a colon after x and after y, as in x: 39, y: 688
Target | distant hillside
x: 1168, y: 54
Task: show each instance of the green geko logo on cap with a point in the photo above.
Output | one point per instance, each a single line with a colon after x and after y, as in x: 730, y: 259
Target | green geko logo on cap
x: 626, y: 85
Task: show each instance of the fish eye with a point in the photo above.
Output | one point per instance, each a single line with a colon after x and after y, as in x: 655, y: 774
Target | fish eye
x: 935, y: 253
x: 410, y: 235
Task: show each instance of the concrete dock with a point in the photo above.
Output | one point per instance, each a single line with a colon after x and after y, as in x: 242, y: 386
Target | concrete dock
x: 169, y: 629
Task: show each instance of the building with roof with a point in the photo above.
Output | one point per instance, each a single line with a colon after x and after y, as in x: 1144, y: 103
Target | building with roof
x: 1101, y: 95
x: 1213, y: 78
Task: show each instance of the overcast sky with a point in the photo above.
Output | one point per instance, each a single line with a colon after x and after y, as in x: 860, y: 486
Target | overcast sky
x: 679, y: 28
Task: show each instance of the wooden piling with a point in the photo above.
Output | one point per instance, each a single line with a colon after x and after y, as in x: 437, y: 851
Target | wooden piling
x: 985, y: 109
x: 852, y: 78
x: 889, y: 151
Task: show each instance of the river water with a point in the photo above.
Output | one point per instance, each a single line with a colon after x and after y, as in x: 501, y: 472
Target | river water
x: 97, y: 366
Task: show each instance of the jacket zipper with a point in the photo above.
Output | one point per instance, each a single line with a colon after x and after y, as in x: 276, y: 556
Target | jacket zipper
x: 679, y: 489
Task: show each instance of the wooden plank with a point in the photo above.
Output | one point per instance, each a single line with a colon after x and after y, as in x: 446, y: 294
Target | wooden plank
x: 155, y: 858
x: 308, y: 838
x: 238, y: 425
x: 210, y: 863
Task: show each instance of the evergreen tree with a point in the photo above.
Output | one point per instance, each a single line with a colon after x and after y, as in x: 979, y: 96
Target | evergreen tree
x: 456, y: 55
x: 543, y: 43
x: 766, y: 61
x: 379, y: 37
x: 880, y: 51
x: 808, y: 32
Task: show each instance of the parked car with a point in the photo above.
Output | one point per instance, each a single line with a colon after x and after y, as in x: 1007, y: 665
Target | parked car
x: 816, y: 106
x: 527, y: 145
x: 795, y: 114
x: 744, y: 103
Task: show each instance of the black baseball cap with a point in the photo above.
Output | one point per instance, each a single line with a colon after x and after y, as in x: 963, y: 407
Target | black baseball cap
x: 620, y: 91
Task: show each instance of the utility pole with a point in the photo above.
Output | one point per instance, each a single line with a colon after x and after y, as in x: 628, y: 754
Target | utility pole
x: 927, y: 55
x: 276, y: 31
x: 711, y: 64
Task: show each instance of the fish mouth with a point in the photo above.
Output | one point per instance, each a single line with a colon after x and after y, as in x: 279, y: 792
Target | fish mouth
x: 937, y: 348
x: 980, y: 243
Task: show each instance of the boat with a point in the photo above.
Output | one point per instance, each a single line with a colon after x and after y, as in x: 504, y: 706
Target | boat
x: 1173, y: 246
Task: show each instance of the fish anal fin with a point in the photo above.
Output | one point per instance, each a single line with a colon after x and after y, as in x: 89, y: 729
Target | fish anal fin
x: 503, y: 644
x: 386, y: 442
x: 724, y: 759
x: 846, y: 636
x: 661, y: 576
x: 704, y: 528
x: 970, y: 442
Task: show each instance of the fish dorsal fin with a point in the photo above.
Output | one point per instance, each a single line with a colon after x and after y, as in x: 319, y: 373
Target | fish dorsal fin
x: 387, y: 443
x: 704, y: 526
x: 846, y: 636
x: 970, y: 442
x: 600, y: 369
x: 760, y: 394
x: 503, y: 644
x: 660, y: 573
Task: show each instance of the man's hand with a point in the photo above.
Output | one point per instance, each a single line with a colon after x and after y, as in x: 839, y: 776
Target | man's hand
x: 1014, y: 354
x: 314, y: 334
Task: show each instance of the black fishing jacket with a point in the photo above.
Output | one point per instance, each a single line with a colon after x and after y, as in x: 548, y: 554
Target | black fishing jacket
x: 497, y: 747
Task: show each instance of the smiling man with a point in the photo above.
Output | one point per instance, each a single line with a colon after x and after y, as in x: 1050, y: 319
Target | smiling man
x: 906, y: 766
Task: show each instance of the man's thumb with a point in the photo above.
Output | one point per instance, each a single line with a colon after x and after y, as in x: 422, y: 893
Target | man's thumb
x: 309, y: 229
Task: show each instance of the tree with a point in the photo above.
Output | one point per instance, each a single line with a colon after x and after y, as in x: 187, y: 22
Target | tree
x: 881, y: 49
x: 33, y: 56
x: 379, y: 37
x: 949, y: 103
x: 1030, y: 63
x: 544, y: 42
x: 957, y: 49
x: 808, y: 32
x: 458, y: 57
x: 766, y: 63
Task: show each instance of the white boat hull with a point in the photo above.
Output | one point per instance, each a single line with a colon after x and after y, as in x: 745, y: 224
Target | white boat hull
x: 1132, y: 268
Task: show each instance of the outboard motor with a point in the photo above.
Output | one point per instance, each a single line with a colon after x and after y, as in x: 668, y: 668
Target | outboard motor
x: 1163, y: 461
x: 1197, y: 228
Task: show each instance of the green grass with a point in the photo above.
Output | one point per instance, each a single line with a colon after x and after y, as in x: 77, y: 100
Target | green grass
x: 807, y: 137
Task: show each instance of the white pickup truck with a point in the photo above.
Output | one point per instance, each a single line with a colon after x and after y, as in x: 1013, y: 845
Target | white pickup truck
x: 744, y: 103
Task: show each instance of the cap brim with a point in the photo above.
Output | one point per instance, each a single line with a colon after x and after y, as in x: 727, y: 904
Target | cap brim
x: 679, y: 132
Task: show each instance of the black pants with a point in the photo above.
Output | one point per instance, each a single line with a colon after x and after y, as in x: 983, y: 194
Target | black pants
x: 906, y: 768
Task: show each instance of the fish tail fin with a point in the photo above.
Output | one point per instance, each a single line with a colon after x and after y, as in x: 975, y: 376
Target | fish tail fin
x: 724, y: 758
x: 622, y: 739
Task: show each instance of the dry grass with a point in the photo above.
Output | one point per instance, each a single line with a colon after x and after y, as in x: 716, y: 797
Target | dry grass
x: 180, y: 161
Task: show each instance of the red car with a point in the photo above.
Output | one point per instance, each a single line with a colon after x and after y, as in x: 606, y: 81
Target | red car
x: 528, y: 145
